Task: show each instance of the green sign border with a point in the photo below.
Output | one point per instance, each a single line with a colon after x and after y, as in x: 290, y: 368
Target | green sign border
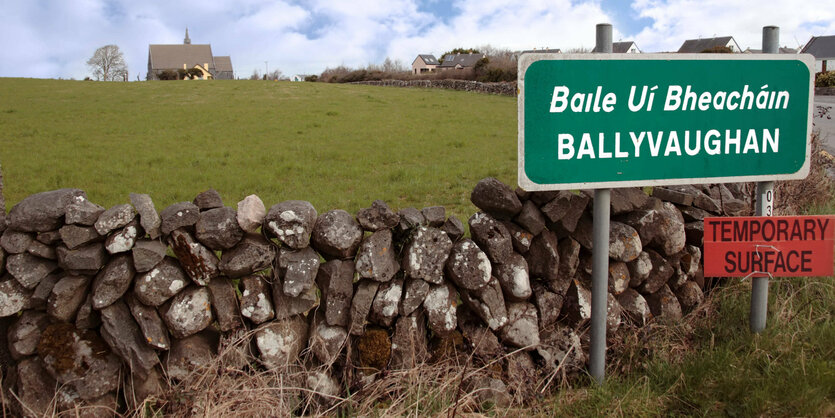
x: 527, y: 59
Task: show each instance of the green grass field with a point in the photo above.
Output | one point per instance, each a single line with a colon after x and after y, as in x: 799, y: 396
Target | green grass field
x: 337, y: 146
x: 342, y: 146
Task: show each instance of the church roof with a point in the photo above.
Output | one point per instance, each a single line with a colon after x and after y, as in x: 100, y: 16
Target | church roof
x: 223, y: 63
x: 172, y: 57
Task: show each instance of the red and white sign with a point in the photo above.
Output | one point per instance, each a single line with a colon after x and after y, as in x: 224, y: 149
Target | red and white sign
x: 784, y: 246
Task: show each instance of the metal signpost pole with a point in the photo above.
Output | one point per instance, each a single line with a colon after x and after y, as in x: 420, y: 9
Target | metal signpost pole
x: 600, y: 251
x: 764, y: 207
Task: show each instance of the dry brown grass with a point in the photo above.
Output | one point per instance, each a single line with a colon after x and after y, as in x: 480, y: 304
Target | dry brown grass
x: 794, y: 196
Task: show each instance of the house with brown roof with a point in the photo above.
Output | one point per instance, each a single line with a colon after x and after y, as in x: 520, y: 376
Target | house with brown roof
x: 696, y: 46
x: 460, y: 61
x: 822, y: 48
x: 187, y: 56
x: 424, y: 63
x: 625, y: 47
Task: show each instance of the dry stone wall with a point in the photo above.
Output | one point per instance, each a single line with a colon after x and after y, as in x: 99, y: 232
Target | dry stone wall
x: 101, y: 303
x: 501, y: 88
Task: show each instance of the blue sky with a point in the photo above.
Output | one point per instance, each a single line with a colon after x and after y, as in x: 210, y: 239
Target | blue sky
x: 54, y: 38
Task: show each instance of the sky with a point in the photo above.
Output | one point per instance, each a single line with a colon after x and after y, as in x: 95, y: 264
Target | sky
x: 55, y: 38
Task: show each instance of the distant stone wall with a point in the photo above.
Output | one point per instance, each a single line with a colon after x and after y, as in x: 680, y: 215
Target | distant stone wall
x: 93, y: 302
x: 504, y: 89
x: 824, y: 91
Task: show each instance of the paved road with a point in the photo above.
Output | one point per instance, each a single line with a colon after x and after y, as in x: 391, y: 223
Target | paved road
x: 826, y: 126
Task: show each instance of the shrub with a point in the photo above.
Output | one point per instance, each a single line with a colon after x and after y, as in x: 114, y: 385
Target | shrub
x: 312, y: 78
x: 825, y: 79
x: 168, y: 75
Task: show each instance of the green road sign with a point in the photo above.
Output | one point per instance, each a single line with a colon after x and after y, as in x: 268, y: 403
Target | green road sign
x: 619, y: 120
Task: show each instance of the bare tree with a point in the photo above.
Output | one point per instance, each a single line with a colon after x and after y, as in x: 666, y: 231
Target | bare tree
x: 108, y: 64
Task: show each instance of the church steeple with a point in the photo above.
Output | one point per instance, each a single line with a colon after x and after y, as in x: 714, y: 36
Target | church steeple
x: 187, y: 41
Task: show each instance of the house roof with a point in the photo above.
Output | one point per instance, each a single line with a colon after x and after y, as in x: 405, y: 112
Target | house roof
x: 464, y: 60
x: 168, y: 57
x: 822, y: 47
x: 699, y: 45
x: 543, y: 51
x: 429, y: 59
x: 223, y: 63
x: 620, y: 47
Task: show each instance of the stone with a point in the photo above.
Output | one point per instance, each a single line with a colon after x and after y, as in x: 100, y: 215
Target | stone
x: 434, y: 215
x: 207, y: 200
x: 522, y: 328
x: 324, y: 390
x: 24, y: 334
x: 251, y: 213
x: 43, y: 211
x: 409, y: 346
x: 42, y: 291
x: 336, y: 278
x: 327, y: 341
x: 35, y: 387
x: 489, y: 391
x: 496, y: 198
x: 635, y: 307
x: 113, y: 281
x: 484, y: 344
x: 49, y: 237
x: 664, y: 304
x: 544, y: 258
x: 16, y: 242
x: 562, y: 351
x: 29, y: 270
x: 693, y: 214
x: 191, y: 354
x: 488, y: 303
x: 548, y: 303
x: 384, y: 309
x: 88, y: 258
x: 163, y: 281
x: 378, y: 216
x: 703, y: 201
x: 75, y: 236
x: 577, y: 304
x: 659, y: 275
x: 531, y: 218
x: 154, y: 332
x: 87, y: 317
x: 149, y: 219
x: 414, y: 292
x: 584, y: 232
x: 626, y: 200
x: 613, y: 313
x: 39, y: 249
x: 373, y: 350
x: 542, y: 197
x: 66, y: 297
x: 336, y: 235
x: 624, y: 242
x: 694, y: 233
x: 618, y: 277
x: 689, y: 295
x: 114, y: 218
x: 468, y: 266
x: 364, y: 294
x: 280, y: 342
x: 225, y: 304
x: 569, y: 251
x: 454, y: 228
x: 410, y: 218
x: 298, y: 269
x: 736, y: 207
x: 293, y: 222
x: 426, y: 253
x: 137, y: 390
x: 491, y: 236
x: 522, y: 374
x: 673, y: 194
x: 639, y: 269
x: 253, y: 254
x: 514, y: 278
x: 147, y: 254
x: 255, y: 300
x: 179, y: 215
x: 287, y: 306
x: 519, y: 237
x: 200, y: 263
x: 376, y: 257
x: 218, y: 228
x: 189, y: 312
x: 79, y: 359
x: 564, y: 211
x: 123, y: 335
x: 440, y: 305
x: 522, y: 194
x: 661, y: 228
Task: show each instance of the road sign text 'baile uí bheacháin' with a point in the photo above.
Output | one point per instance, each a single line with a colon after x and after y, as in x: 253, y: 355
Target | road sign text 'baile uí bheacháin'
x: 617, y: 120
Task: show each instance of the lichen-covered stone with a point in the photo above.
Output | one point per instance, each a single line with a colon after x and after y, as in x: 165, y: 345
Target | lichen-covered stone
x: 327, y: 341
x: 513, y: 277
x: 81, y: 211
x: 251, y: 255
x: 147, y: 254
x: 562, y: 351
x: 39, y: 249
x: 36, y: 388
x: 468, y: 266
x: 24, y: 334
x: 225, y: 304
x: 208, y: 200
x: 618, y: 277
x: 87, y: 317
x: 522, y: 328
x: 496, y: 198
x: 251, y: 213
x: 200, y: 263
x: 41, y: 293
x: 376, y: 257
x: 16, y: 242
x: 256, y: 301
x: 163, y: 281
x: 544, y: 258
x: 148, y: 217
x: 548, y: 303
x: 114, y: 218
x: 29, y: 270
x: 635, y: 307
x: 336, y: 278
x: 113, y: 281
x: 491, y: 236
x: 188, y: 355
x: 577, y: 305
x: 179, y: 215
x: 298, y: 269
x: 280, y: 342
x: 410, y: 218
x: 336, y: 234
x: 378, y: 216
x: 287, y: 306
x: 218, y: 228
x: 659, y: 275
x: 364, y: 294
x: 125, y: 338
x: 519, y: 237
x: 414, y: 292
x: 481, y: 340
x: 440, y: 305
x: 189, y: 312
x: 49, y: 237
x: 454, y: 228
x: 75, y: 236
x: 488, y: 303
x: 426, y: 254
x: 661, y: 228
x: 386, y: 303
x: 639, y: 269
x: 66, y: 297
x: 565, y: 210
x: 409, y: 347
x: 88, y: 258
x: 627, y: 199
x: 664, y: 304
x: 292, y: 221
x: 624, y: 242
x: 43, y: 211
x: 689, y: 295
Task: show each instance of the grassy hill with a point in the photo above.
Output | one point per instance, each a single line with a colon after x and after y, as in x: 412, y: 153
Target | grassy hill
x: 338, y: 146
